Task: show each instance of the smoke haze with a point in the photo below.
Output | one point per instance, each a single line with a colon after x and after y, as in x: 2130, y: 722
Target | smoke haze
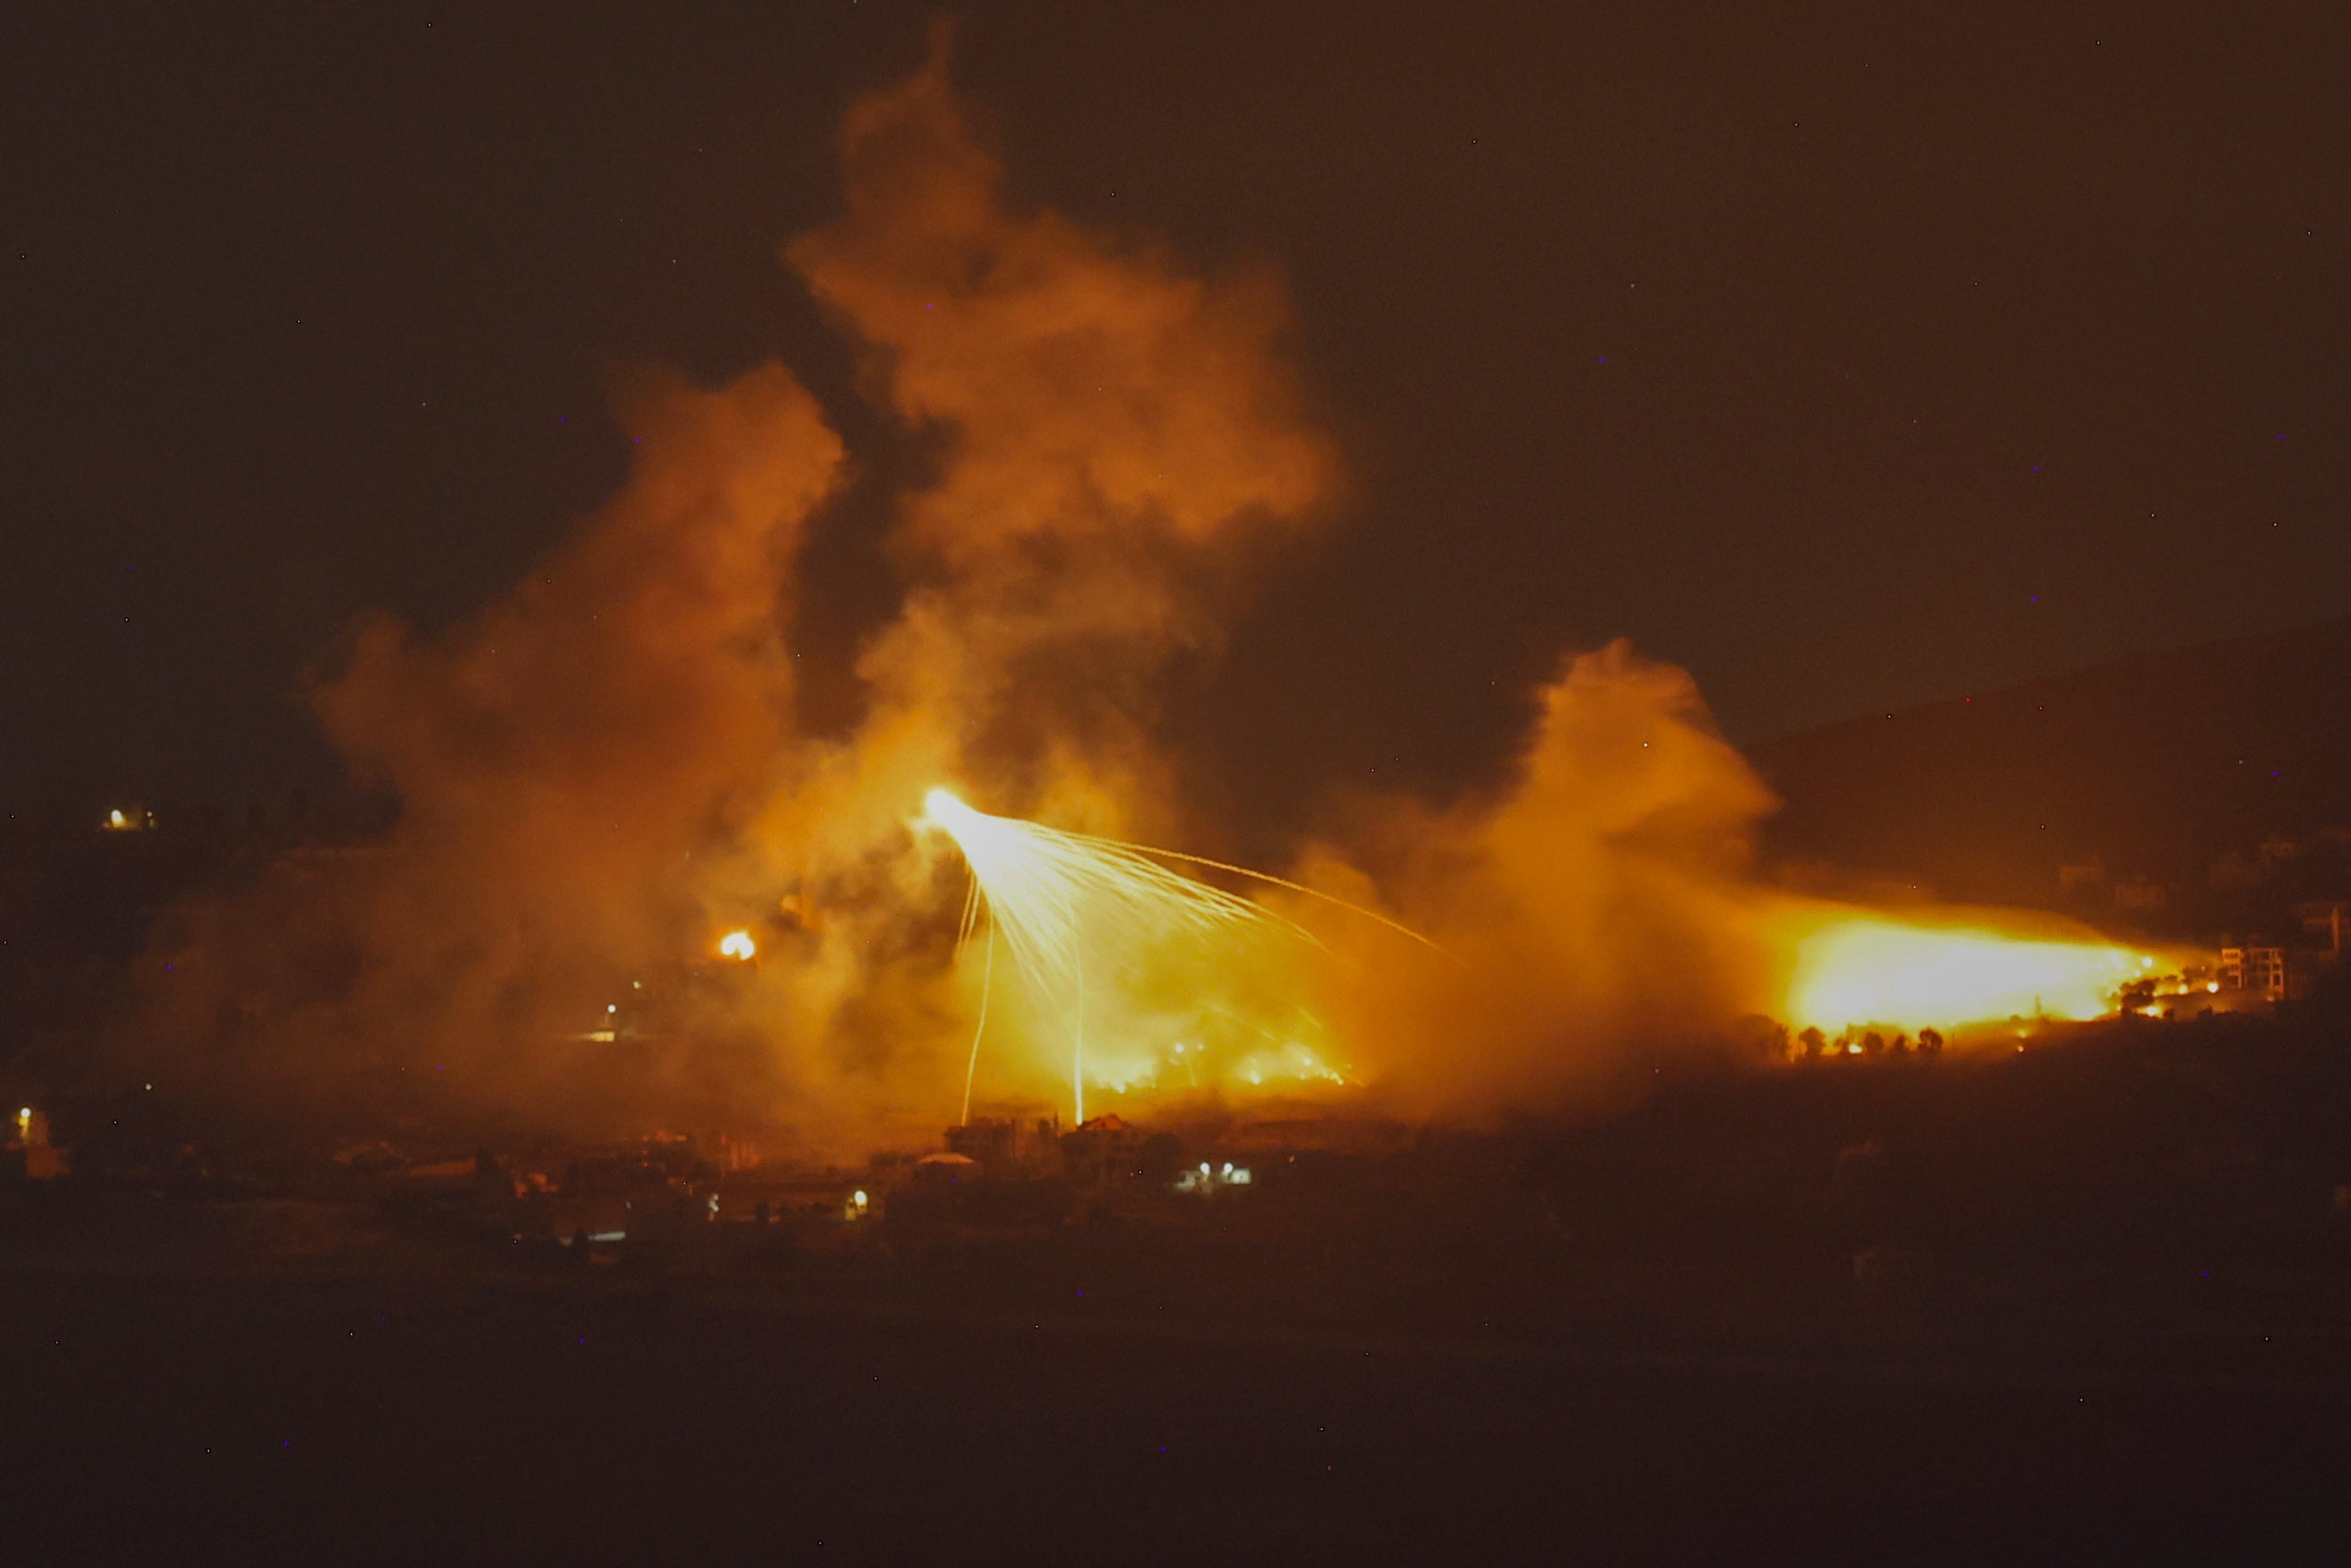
x: 600, y: 774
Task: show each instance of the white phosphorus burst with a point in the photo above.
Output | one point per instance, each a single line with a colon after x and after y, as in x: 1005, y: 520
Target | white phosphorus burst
x: 1063, y: 900
x: 1059, y: 899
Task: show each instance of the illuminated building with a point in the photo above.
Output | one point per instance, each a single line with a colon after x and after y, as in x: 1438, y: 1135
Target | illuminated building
x: 2260, y: 969
x: 1004, y: 1144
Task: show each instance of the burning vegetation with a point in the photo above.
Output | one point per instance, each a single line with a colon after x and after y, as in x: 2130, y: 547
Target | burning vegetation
x: 626, y: 879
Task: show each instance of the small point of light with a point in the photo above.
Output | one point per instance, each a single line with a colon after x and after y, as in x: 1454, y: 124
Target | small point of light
x: 737, y: 945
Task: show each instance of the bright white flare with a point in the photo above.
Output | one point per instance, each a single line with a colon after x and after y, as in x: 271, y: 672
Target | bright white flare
x: 737, y: 945
x: 1069, y: 905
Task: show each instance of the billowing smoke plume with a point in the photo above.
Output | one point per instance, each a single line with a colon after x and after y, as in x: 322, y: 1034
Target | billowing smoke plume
x: 570, y: 763
x: 599, y: 775
x: 1605, y: 919
x: 1596, y: 905
x: 1123, y: 435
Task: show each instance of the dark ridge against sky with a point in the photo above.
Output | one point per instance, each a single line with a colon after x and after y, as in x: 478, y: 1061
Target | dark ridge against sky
x: 1852, y: 356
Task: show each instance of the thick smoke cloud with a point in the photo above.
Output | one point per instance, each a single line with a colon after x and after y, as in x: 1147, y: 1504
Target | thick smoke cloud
x: 568, y: 762
x: 1597, y: 907
x: 1126, y: 437
x: 599, y: 773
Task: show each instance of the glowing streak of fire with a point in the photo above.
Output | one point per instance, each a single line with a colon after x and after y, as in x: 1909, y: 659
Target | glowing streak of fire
x: 1870, y: 969
x: 978, y: 1029
x: 1283, y: 882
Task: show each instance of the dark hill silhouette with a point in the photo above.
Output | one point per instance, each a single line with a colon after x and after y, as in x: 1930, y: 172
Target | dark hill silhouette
x: 2157, y: 766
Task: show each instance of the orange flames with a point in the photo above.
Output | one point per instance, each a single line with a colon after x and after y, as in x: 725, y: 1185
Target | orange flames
x: 606, y: 766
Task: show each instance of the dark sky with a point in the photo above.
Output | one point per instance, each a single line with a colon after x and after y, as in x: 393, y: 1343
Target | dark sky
x: 1853, y: 360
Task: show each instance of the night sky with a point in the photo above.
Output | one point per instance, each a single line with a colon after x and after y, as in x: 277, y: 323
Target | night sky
x: 1853, y: 362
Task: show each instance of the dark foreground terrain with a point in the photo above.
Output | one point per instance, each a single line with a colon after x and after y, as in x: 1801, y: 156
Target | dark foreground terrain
x: 374, y: 1422
x: 2091, y: 1304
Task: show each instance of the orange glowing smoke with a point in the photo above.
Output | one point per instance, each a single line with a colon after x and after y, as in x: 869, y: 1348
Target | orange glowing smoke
x: 1605, y: 908
x: 603, y: 767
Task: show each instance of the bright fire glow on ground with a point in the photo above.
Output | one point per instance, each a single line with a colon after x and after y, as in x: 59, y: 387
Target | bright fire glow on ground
x: 1872, y: 969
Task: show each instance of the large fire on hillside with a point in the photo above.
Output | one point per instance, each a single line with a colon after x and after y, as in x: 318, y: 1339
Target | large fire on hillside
x: 605, y: 768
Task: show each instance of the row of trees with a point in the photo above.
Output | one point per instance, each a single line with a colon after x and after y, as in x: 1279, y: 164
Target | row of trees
x: 1768, y: 1039
x: 1870, y: 1045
